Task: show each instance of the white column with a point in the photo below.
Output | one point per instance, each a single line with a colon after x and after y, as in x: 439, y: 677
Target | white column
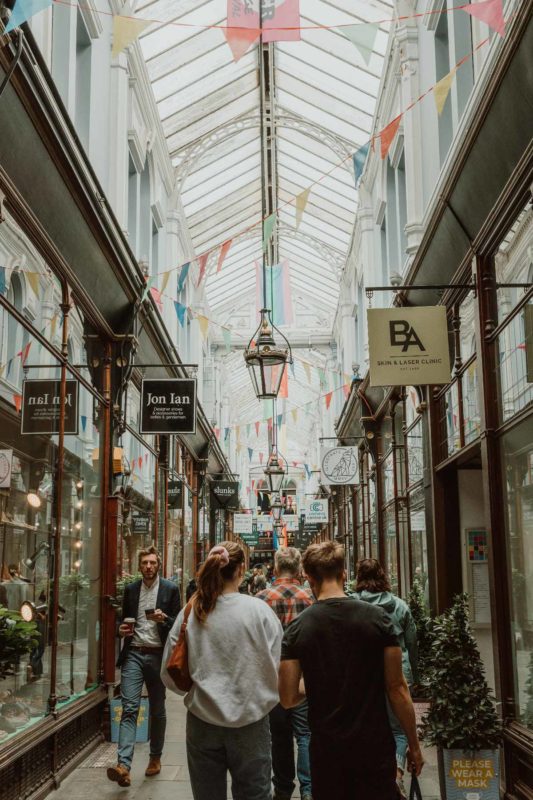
x: 117, y: 190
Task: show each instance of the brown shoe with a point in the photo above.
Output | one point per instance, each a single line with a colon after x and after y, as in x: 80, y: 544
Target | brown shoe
x: 154, y: 767
x: 120, y: 775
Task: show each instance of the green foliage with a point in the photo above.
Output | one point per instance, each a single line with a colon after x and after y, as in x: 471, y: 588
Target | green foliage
x: 69, y: 584
x: 16, y: 638
x: 122, y: 583
x: 462, y: 714
x: 424, y: 631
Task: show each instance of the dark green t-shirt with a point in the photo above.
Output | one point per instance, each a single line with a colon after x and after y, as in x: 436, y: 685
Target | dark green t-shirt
x: 339, y: 643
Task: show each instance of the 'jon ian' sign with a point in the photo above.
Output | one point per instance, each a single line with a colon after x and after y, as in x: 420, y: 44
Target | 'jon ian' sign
x: 41, y: 406
x: 168, y: 405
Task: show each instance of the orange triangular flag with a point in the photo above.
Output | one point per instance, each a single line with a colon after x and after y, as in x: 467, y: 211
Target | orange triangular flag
x: 257, y: 424
x: 328, y: 399
x: 388, y: 133
x: 223, y: 253
x: 490, y: 12
x: 17, y: 399
x: 202, y: 263
x: 125, y: 31
x: 240, y: 40
x: 441, y: 90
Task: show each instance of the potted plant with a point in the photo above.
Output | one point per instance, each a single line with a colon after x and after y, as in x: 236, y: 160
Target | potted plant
x: 16, y: 639
x: 424, y: 635
x: 462, y: 721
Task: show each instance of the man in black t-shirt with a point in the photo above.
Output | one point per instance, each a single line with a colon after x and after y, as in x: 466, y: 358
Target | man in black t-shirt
x: 349, y: 657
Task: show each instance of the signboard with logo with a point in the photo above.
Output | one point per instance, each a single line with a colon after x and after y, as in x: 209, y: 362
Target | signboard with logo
x: 340, y: 465
x: 168, y: 405
x: 41, y: 400
x: 242, y: 524
x: 316, y: 511
x: 6, y: 460
x: 140, y: 523
x: 225, y: 494
x: 175, y: 494
x: 306, y: 534
x: 408, y: 346
x: 472, y: 776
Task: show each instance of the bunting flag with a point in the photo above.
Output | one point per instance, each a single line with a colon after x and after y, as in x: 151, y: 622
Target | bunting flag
x: 180, y: 311
x: 280, y: 420
x: 284, y: 385
x: 204, y: 325
x: 17, y: 399
x: 269, y: 424
x: 261, y: 456
x: 388, y: 133
x: 183, y: 276
x: 125, y: 31
x: 24, y: 353
x: 147, y: 288
x: 202, y: 263
x: 53, y: 325
x: 217, y: 433
x: 226, y: 334
x: 292, y: 366
x: 223, y: 253
x: 2, y: 368
x: 140, y: 460
x: 281, y: 21
x: 166, y: 276
x: 226, y: 433
x: 441, y: 90
x: 33, y: 280
x: 328, y: 397
x: 307, y: 368
x: 294, y: 412
x: 240, y: 39
x: 359, y: 159
x: 2, y: 280
x: 24, y: 10
x: 156, y: 294
x: 83, y: 419
x: 301, y: 202
x: 307, y: 470
x: 490, y: 12
x: 250, y: 456
x: 257, y: 424
x: 268, y: 229
x: 363, y: 37
x: 9, y: 367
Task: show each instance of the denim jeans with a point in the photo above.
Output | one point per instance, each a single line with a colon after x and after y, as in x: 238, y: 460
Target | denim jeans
x: 399, y: 737
x: 284, y: 724
x: 141, y: 668
x: 212, y: 751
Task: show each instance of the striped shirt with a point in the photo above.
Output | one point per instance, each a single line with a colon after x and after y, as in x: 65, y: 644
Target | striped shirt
x: 288, y: 598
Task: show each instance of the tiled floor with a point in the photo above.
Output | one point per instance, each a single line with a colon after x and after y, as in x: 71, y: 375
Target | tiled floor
x: 89, y: 781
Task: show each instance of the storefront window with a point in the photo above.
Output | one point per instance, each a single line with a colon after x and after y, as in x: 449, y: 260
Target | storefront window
x: 388, y: 478
x: 452, y: 420
x: 391, y: 554
x: 419, y: 556
x: 517, y: 449
x: 471, y: 410
x: 415, y: 453
x: 138, y: 478
x: 515, y: 353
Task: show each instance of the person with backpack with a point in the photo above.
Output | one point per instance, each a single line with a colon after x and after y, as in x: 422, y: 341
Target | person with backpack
x: 373, y: 586
x: 233, y: 650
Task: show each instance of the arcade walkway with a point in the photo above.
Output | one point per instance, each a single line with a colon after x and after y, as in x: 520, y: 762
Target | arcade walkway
x: 89, y: 781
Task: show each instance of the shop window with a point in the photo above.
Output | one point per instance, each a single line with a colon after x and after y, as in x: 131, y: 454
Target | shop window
x: 388, y: 478
x: 417, y: 524
x: 391, y: 544
x: 442, y: 67
x: 451, y: 420
x: 517, y: 468
x: 415, y: 453
x: 471, y: 409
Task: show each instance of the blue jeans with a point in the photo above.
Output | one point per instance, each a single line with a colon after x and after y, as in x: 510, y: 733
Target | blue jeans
x: 284, y: 724
x: 400, y: 738
x: 141, y: 668
x: 212, y: 751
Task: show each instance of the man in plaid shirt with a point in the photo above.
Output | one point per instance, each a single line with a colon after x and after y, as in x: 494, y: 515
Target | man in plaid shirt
x: 288, y: 598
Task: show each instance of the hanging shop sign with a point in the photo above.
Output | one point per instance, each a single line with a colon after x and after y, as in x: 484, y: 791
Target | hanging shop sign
x: 168, y: 405
x: 340, y: 465
x: 6, y: 461
x: 225, y: 494
x: 291, y: 522
x: 243, y: 524
x: 140, y: 524
x: 265, y: 523
x: 175, y: 494
x: 306, y: 534
x: 41, y: 406
x: 408, y: 346
x: 316, y: 511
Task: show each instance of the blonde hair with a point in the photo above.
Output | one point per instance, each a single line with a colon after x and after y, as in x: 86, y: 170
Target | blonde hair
x: 288, y: 559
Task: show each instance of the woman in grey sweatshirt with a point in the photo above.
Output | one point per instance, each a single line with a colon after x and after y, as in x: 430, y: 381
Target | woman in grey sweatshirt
x: 234, y: 645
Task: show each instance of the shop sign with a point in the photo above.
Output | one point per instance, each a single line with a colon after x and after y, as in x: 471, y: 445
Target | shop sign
x: 305, y: 535
x: 471, y: 776
x: 41, y: 408
x: 6, y: 460
x: 225, y: 493
x: 291, y: 522
x: 175, y: 494
x: 408, y: 346
x: 264, y: 523
x: 316, y: 511
x: 340, y: 465
x: 242, y: 524
x: 140, y: 524
x: 168, y: 405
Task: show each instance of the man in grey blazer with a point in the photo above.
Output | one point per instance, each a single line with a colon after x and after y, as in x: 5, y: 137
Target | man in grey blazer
x: 154, y: 604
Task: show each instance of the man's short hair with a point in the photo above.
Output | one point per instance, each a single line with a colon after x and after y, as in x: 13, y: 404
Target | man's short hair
x: 149, y: 551
x: 288, y: 559
x: 324, y: 561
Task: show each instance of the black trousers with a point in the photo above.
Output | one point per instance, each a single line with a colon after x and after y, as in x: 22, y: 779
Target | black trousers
x: 341, y: 771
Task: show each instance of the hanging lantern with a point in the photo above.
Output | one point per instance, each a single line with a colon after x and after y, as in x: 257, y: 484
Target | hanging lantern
x: 275, y: 472
x: 276, y: 507
x: 266, y: 360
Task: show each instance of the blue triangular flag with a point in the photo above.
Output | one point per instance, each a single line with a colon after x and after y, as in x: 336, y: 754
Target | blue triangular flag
x: 180, y: 311
x: 293, y: 368
x: 83, y: 422
x: 2, y: 280
x: 280, y: 420
x: 250, y: 453
x: 307, y: 470
x: 359, y: 158
x: 183, y: 276
x: 226, y: 433
x: 24, y: 9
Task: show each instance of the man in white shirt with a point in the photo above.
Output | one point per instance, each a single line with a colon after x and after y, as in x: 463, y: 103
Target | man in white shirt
x: 154, y: 604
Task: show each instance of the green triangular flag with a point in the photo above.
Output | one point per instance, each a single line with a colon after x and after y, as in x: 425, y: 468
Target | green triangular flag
x: 363, y: 37
x: 268, y: 229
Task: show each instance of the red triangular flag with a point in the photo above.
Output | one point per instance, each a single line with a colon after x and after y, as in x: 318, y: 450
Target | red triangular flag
x: 202, y: 263
x: 223, y: 253
x: 284, y: 385
x: 217, y: 433
x: 490, y: 12
x: 269, y: 423
x: 24, y: 353
x: 17, y: 399
x: 328, y: 399
x: 257, y: 424
x: 140, y: 462
x: 388, y: 133
x: 261, y: 457
x: 240, y: 39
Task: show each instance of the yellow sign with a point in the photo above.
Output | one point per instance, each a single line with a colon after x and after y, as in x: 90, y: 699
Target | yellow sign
x: 408, y: 346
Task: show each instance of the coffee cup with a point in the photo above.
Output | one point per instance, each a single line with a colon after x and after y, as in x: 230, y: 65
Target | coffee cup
x: 130, y: 622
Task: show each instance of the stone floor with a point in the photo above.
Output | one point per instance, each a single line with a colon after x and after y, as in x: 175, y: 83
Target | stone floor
x: 89, y: 781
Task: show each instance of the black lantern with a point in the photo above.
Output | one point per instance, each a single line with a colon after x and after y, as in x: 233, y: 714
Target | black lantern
x: 276, y: 508
x: 267, y: 360
x: 275, y: 471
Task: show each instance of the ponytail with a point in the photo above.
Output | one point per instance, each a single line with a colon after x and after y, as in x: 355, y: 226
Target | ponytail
x: 218, y: 569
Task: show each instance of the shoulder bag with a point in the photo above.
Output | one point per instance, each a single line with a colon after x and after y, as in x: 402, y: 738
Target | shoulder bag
x: 415, y: 793
x: 178, y: 663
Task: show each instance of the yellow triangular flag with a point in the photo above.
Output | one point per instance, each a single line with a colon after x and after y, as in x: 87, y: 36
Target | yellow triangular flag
x: 294, y: 412
x: 166, y: 276
x: 441, y: 90
x: 204, y: 325
x: 301, y: 202
x: 307, y: 368
x: 33, y: 280
x: 125, y: 31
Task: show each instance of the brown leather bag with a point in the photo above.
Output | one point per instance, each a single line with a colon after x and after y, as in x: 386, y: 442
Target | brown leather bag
x: 178, y: 663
